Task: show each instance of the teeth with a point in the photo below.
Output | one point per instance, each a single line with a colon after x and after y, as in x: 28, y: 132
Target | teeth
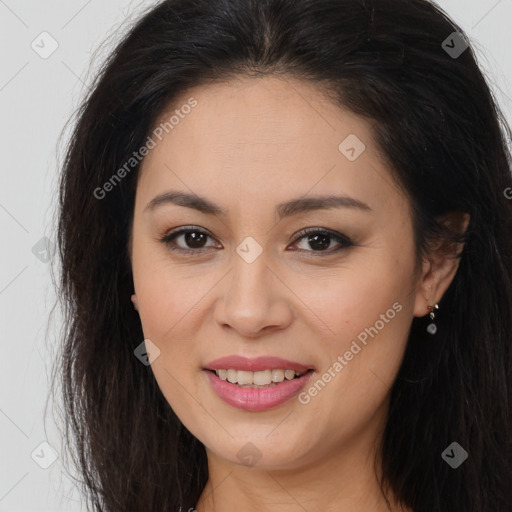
x: 245, y: 377
x: 289, y: 374
x: 278, y: 375
x: 261, y: 378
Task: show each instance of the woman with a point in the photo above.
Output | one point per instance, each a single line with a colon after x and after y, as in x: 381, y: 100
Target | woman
x: 286, y: 264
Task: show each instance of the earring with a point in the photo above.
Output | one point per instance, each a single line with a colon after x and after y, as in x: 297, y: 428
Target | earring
x: 432, y: 327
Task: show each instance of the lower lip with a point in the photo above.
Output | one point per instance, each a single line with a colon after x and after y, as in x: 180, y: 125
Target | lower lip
x: 257, y: 399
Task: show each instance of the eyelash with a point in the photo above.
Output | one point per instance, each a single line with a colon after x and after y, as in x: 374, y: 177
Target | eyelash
x: 168, y: 240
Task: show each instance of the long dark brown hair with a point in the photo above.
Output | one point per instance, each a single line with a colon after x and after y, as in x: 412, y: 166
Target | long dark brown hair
x: 445, y: 139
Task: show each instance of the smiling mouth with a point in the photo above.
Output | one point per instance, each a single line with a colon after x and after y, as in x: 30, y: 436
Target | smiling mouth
x: 260, y: 379
x: 256, y: 391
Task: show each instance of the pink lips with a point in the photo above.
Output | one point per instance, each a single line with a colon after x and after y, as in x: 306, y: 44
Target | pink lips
x: 256, y: 399
x: 255, y: 365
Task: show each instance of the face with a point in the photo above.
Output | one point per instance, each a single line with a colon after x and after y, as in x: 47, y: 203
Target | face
x: 266, y: 267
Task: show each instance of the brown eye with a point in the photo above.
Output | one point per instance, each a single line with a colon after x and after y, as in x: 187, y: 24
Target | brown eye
x: 319, y: 240
x: 192, y: 240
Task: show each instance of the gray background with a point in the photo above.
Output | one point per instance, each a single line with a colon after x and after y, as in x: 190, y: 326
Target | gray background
x: 37, y: 97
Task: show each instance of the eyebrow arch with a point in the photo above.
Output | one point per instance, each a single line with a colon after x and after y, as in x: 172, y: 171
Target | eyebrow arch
x: 287, y: 209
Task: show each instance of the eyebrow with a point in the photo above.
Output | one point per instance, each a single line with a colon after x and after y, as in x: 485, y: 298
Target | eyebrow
x: 287, y: 209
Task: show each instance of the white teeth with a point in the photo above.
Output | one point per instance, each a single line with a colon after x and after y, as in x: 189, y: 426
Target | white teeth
x: 289, y: 374
x: 277, y: 375
x: 260, y: 378
x: 244, y: 377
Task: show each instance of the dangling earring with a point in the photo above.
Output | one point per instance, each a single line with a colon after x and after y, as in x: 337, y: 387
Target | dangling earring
x: 432, y: 327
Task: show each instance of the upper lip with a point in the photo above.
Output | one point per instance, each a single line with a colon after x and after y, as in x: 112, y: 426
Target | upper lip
x: 255, y: 364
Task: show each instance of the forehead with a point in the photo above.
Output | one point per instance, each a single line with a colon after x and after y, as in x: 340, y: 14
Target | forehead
x: 261, y: 139
x: 257, y: 115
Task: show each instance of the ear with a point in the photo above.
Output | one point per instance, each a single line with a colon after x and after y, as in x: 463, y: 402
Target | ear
x: 134, y: 300
x: 439, y: 269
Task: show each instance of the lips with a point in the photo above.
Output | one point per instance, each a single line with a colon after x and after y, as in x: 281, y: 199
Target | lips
x: 255, y: 364
x: 257, y: 399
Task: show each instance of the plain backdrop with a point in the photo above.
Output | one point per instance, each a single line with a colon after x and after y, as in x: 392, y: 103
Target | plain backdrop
x: 38, y: 94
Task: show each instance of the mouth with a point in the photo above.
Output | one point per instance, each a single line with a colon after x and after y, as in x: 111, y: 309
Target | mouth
x: 257, y: 380
x: 257, y: 364
x: 256, y: 384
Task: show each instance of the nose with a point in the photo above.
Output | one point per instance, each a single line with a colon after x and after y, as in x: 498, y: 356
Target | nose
x: 255, y: 299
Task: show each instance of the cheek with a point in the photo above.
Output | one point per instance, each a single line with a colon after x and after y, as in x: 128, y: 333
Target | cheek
x: 165, y: 307
x: 360, y: 361
x: 352, y: 299
x: 169, y: 319
x: 364, y: 317
x: 166, y: 292
x: 166, y: 310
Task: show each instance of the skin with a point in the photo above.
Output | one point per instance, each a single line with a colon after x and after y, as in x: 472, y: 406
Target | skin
x: 248, y: 145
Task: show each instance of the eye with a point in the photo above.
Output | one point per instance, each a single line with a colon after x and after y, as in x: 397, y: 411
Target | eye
x: 320, y: 239
x: 194, y: 238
